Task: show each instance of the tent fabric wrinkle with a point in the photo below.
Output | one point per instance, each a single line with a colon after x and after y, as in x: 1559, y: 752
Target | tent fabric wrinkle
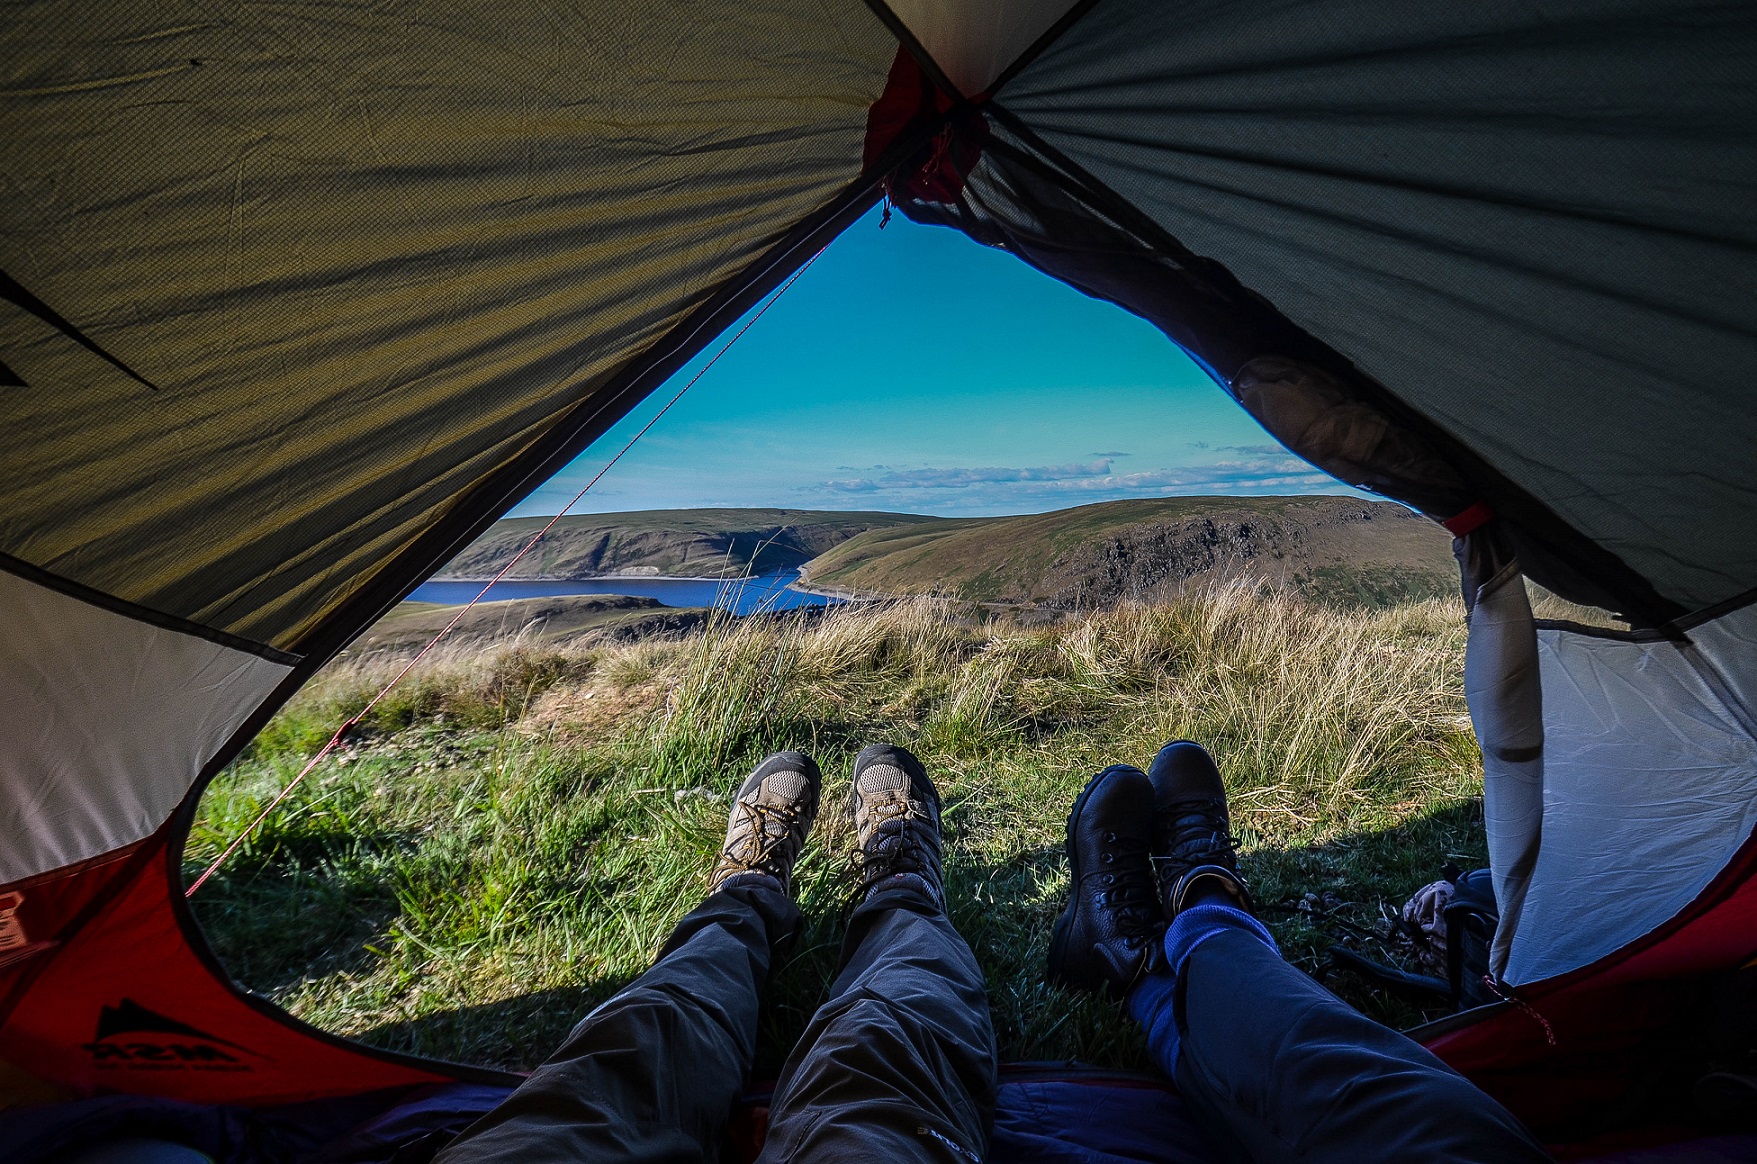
x: 1721, y: 652
x: 13, y: 293
x: 361, y: 293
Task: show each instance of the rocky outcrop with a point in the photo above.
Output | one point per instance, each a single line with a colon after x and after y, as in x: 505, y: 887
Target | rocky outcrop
x: 1159, y: 560
x: 1333, y: 549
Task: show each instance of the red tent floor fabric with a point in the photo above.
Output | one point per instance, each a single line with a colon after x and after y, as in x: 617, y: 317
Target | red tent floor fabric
x: 127, y: 1004
x: 1569, y: 1049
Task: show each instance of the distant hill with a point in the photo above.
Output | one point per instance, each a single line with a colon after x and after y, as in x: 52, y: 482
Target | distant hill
x: 701, y: 543
x: 565, y: 618
x: 1334, y: 549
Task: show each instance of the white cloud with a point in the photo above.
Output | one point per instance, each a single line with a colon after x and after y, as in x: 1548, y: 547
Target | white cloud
x: 1263, y: 469
x: 958, y: 478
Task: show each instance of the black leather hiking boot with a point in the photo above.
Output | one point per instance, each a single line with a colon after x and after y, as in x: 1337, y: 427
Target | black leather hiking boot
x: 1112, y: 928
x: 896, y: 820
x: 1194, y: 851
x: 771, y: 815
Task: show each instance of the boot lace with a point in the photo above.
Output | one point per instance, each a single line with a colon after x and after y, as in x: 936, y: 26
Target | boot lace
x: 904, y: 841
x: 1130, y: 897
x: 1195, y: 833
x: 757, y: 843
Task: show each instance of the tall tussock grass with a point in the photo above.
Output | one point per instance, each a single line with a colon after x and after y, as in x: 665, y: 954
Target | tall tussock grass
x: 514, y: 831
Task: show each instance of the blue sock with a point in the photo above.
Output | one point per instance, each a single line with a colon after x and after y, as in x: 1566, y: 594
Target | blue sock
x: 1149, y: 1003
x: 1198, y: 923
x: 1152, y: 1000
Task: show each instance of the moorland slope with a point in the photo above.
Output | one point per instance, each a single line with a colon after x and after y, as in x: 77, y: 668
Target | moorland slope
x: 565, y: 618
x: 1333, y: 549
x: 698, y: 543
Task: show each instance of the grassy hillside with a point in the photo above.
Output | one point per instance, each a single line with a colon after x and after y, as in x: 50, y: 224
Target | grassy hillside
x: 702, y: 543
x: 517, y: 828
x: 1335, y: 549
x: 568, y: 618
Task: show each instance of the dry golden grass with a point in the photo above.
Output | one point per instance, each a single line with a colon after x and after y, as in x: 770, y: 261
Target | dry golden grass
x: 521, y: 825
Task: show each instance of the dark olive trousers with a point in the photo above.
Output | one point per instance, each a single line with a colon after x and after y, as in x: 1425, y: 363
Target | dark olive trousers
x: 897, y: 1064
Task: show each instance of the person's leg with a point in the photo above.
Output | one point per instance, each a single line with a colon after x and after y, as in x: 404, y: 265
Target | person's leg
x: 899, y: 1062
x: 651, y: 1075
x: 1282, y: 1068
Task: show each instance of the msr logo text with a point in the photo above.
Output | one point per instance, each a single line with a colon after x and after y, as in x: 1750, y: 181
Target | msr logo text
x: 158, y: 1053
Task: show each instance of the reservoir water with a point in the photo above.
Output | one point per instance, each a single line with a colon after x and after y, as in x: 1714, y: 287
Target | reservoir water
x: 738, y: 595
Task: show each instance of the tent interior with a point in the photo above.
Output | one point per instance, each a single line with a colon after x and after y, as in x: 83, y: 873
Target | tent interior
x: 297, y: 300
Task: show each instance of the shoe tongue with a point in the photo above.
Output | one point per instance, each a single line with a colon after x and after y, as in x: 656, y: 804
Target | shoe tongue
x: 785, y: 786
x: 1188, y: 809
x: 884, y: 778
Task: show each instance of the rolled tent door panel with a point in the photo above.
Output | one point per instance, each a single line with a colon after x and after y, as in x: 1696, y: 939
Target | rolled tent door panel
x: 109, y: 720
x: 1641, y: 895
x: 1503, y: 687
x: 1619, y: 774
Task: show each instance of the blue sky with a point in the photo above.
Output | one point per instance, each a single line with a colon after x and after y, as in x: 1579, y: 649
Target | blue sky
x: 911, y: 369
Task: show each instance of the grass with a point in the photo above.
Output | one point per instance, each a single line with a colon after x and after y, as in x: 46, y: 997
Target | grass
x: 517, y: 828
x: 563, y: 618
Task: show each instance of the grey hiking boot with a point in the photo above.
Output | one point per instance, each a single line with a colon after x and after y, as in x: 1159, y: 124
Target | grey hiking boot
x: 1194, y: 851
x: 1111, y: 930
x: 896, y: 821
x: 771, y: 815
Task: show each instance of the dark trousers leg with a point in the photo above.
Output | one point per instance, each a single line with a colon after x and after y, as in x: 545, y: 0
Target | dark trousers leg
x: 1289, y: 1071
x: 899, y: 1063
x: 650, y: 1075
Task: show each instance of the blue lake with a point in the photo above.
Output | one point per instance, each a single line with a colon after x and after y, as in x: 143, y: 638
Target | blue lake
x: 738, y: 595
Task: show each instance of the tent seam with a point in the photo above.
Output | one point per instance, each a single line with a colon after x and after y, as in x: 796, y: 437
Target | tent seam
x: 138, y: 613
